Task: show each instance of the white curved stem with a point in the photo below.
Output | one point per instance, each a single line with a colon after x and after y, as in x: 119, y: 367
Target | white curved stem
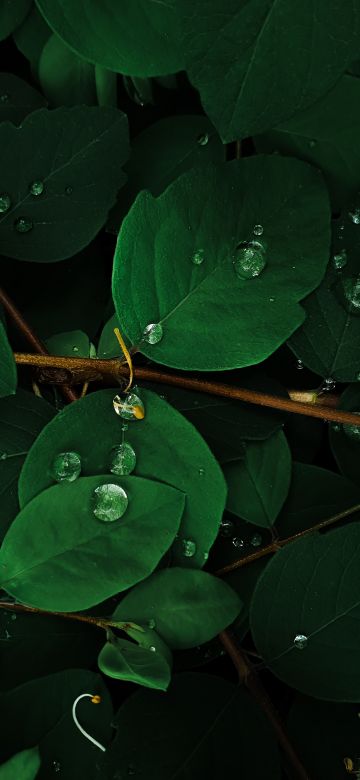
x: 88, y: 736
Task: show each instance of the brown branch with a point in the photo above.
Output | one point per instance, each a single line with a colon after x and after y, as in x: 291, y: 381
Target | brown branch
x: 276, y: 545
x: 249, y: 678
x: 94, y: 621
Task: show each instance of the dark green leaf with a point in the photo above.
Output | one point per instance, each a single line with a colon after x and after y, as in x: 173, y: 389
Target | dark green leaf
x: 58, y: 555
x: 17, y: 99
x: 311, y: 589
x: 22, y: 766
x: 74, y: 343
x: 76, y: 155
x: 31, y: 36
x: 203, y: 727
x: 238, y: 53
x: 211, y: 318
x: 91, y: 428
x: 259, y: 484
x: 124, y: 660
x: 12, y: 13
x: 345, y: 439
x: 66, y: 80
x: 8, y: 373
x: 137, y: 38
x: 187, y: 607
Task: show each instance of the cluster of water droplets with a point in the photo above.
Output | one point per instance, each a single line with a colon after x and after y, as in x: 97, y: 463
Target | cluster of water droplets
x: 227, y: 529
x: 250, y: 259
x: 24, y: 224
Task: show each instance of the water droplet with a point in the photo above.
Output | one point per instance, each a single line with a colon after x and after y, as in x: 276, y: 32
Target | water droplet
x: 352, y: 431
x: 111, y: 502
x: 198, y: 257
x: 13, y: 616
x: 189, y: 548
x: 256, y: 540
x: 271, y: 300
x: 66, y: 467
x: 299, y: 365
x: 123, y: 459
x: 69, y: 190
x: 23, y: 225
x: 203, y: 139
x: 205, y: 556
x: 258, y: 230
x: 152, y: 648
x: 350, y: 289
x: 129, y: 408
x: 124, y: 427
x: 312, y: 143
x: 327, y: 385
x: 151, y: 623
x: 75, y: 349
x: 57, y: 766
x: 250, y: 260
x: 153, y: 333
x: 5, y: 97
x: 355, y: 216
x: 300, y: 641
x: 7, y: 634
x: 226, y: 528
x: 3, y: 456
x: 201, y: 471
x: 336, y: 427
x: 36, y: 188
x: 340, y: 259
x: 237, y: 542
x: 5, y: 202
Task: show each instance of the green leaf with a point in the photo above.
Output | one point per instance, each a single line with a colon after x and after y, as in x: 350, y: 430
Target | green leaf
x: 22, y: 417
x: 58, y: 555
x: 345, y: 439
x: 188, y: 607
x: 17, y: 99
x: 76, y: 154
x: 31, y: 36
x: 8, y: 373
x: 124, y: 660
x: 65, y: 79
x: 12, y: 13
x: 237, y: 55
x: 259, y: 484
x: 136, y: 38
x: 161, y: 153
x: 40, y: 713
x: 209, y: 315
x: 310, y: 588
x: 22, y: 766
x: 203, y: 727
x: 74, y: 343
x: 325, y: 135
x: 91, y: 428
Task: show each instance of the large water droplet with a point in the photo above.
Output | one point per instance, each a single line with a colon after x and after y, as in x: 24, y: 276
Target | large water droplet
x: 250, y: 260
x: 23, y: 225
x: 36, y: 188
x: 352, y: 431
x: 300, y: 641
x: 340, y: 259
x: 66, y: 466
x: 111, y: 502
x: 237, y: 542
x: 129, y: 408
x: 256, y: 540
x: 5, y: 202
x: 203, y: 139
x: 189, y: 548
x: 355, y: 216
x: 123, y: 459
x: 226, y: 528
x: 198, y: 257
x: 258, y: 230
x: 153, y: 333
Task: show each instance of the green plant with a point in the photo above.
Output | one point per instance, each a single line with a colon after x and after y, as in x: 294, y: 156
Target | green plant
x: 174, y: 514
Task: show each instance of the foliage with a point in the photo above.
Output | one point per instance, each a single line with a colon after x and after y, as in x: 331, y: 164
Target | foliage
x: 162, y: 531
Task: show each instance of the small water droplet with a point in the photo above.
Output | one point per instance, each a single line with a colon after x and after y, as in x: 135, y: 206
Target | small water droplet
x: 336, y: 427
x: 124, y: 427
x: 3, y: 456
x: 271, y: 300
x: 7, y: 634
x: 152, y: 648
x: 5, y: 97
x: 66, y: 467
x: 312, y: 143
x: 250, y: 260
x: 111, y: 502
x: 36, y: 188
x: 328, y: 385
x: 13, y: 616
x: 352, y: 431
x: 355, y: 216
x: 189, y: 548
x: 198, y: 257
x: 340, y: 259
x: 57, y: 766
x: 300, y: 641
x: 258, y: 230
x: 205, y: 556
x: 203, y: 139
x: 23, y: 225
x: 69, y: 190
x: 129, y: 408
x: 153, y: 333
x: 201, y: 471
x: 256, y: 540
x: 151, y: 623
x: 299, y: 365
x: 226, y: 528
x: 5, y: 202
x: 123, y: 459
x: 75, y: 349
x: 237, y: 542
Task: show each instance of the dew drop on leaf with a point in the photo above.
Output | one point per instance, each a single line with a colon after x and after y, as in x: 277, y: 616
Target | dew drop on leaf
x: 226, y: 528
x: 36, y: 188
x: 151, y: 623
x: 328, y: 384
x: 203, y: 139
x: 300, y: 641
x: 56, y: 766
x: 201, y: 471
x: 111, y: 502
x: 348, y: 292
x: 340, y: 259
x: 23, y: 225
x: 250, y: 260
x: 258, y: 230
x: 66, y: 467
x: 123, y: 459
x: 238, y: 542
x: 5, y: 202
x: 5, y: 97
x: 198, y: 257
x: 153, y: 333
x: 312, y: 143
x: 129, y: 408
x: 3, y: 456
x: 299, y: 365
x: 153, y: 649
x: 256, y: 540
x: 355, y: 216
x: 69, y: 190
x: 352, y: 431
x: 189, y: 548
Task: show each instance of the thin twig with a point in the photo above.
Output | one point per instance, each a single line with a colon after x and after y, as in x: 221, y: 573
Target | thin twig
x: 94, y: 621
x: 249, y: 678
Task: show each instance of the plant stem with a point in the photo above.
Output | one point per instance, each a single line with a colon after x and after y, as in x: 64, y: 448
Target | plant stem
x: 279, y: 543
x: 249, y: 678
x: 94, y: 621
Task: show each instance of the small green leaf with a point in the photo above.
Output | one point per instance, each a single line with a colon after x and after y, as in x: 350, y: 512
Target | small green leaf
x: 124, y: 660
x: 74, y: 343
x: 65, y: 78
x: 58, y: 555
x: 187, y: 607
x: 259, y: 484
x: 22, y: 766
x: 17, y: 99
x: 8, y: 373
x: 345, y: 439
x: 75, y: 155
x: 12, y: 13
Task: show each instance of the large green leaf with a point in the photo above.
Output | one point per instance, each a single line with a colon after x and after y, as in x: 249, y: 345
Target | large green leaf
x: 65, y: 78
x: 187, y: 607
x: 135, y: 37
x: 238, y: 53
x: 73, y: 156
x: 17, y: 99
x: 40, y: 713
x: 167, y: 447
x: 124, y: 660
x: 259, y: 484
x: 177, y: 255
x: 203, y: 727
x: 21, y: 419
x: 311, y: 589
x: 31, y: 36
x: 8, y: 373
x: 22, y: 766
x: 12, y: 13
x: 345, y: 439
x: 326, y: 136
x: 58, y: 555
